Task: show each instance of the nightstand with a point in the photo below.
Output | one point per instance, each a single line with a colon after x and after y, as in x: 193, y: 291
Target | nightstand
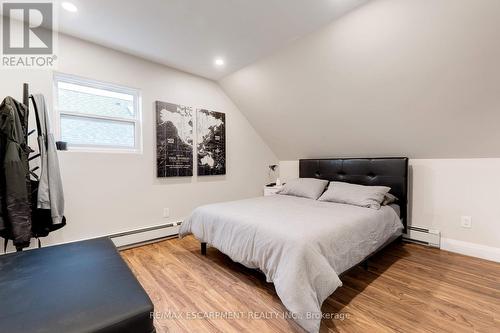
x: 271, y: 190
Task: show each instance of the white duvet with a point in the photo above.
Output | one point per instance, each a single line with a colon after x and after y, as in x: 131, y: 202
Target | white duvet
x: 301, y: 245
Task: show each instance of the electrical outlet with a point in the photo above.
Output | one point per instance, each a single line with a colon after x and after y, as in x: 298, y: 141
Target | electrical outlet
x: 166, y: 212
x: 466, y: 222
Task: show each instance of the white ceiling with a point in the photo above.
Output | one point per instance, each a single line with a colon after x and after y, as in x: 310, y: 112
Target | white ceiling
x: 190, y: 34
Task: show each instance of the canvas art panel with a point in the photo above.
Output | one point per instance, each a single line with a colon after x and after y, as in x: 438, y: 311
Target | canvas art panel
x: 211, y: 142
x: 174, y: 140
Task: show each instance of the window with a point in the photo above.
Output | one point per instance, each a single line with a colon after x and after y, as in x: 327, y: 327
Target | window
x: 97, y: 116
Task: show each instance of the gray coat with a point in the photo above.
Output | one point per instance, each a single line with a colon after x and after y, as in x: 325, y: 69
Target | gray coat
x: 50, y: 190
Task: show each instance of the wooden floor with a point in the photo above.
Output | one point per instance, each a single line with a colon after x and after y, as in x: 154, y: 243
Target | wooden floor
x: 407, y: 288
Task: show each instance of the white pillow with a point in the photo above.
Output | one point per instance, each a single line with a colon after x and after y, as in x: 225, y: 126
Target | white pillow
x: 304, y: 187
x: 357, y: 195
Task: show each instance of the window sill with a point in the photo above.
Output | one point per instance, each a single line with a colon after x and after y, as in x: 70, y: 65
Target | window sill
x: 102, y: 150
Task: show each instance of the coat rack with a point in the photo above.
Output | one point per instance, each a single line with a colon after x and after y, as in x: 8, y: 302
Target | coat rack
x: 26, y: 95
x: 31, y: 156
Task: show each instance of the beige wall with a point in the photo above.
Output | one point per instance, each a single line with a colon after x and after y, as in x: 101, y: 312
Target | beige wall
x: 113, y: 192
x: 419, y: 78
x: 443, y: 190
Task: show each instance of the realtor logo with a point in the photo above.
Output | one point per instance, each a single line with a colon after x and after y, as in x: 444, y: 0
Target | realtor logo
x: 28, y: 34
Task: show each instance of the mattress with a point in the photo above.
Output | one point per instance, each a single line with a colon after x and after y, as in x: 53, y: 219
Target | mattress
x: 301, y: 245
x: 72, y: 288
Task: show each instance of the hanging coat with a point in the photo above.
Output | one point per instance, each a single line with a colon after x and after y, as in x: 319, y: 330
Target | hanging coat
x: 15, y: 189
x: 50, y: 190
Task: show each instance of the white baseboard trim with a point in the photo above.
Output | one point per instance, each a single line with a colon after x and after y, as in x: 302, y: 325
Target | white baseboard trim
x: 140, y: 236
x: 471, y: 249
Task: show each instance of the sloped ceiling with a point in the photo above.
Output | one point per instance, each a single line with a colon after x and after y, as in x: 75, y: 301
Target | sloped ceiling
x: 419, y: 78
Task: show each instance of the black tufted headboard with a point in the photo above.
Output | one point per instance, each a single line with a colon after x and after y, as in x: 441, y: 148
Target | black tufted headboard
x: 391, y: 172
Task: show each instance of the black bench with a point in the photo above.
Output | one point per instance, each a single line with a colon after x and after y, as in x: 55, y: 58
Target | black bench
x: 77, y: 287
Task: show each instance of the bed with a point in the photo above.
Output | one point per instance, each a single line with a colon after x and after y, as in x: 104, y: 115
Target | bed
x: 304, y: 245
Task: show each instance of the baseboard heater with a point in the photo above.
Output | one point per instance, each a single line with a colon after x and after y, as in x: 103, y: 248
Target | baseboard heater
x: 423, y: 236
x: 145, y: 235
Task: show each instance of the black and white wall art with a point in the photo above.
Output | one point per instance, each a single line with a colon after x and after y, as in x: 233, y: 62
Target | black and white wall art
x: 174, y: 140
x: 211, y: 136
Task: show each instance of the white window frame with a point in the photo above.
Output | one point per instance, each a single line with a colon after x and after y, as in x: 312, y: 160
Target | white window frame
x: 137, y: 121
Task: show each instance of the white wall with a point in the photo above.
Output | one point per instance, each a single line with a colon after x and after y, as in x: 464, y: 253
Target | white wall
x: 443, y: 190
x: 113, y: 192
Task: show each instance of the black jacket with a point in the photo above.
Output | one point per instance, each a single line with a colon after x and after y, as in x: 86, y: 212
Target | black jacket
x: 15, y: 188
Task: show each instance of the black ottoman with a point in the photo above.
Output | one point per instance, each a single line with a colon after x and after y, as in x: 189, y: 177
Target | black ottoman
x: 78, y: 287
